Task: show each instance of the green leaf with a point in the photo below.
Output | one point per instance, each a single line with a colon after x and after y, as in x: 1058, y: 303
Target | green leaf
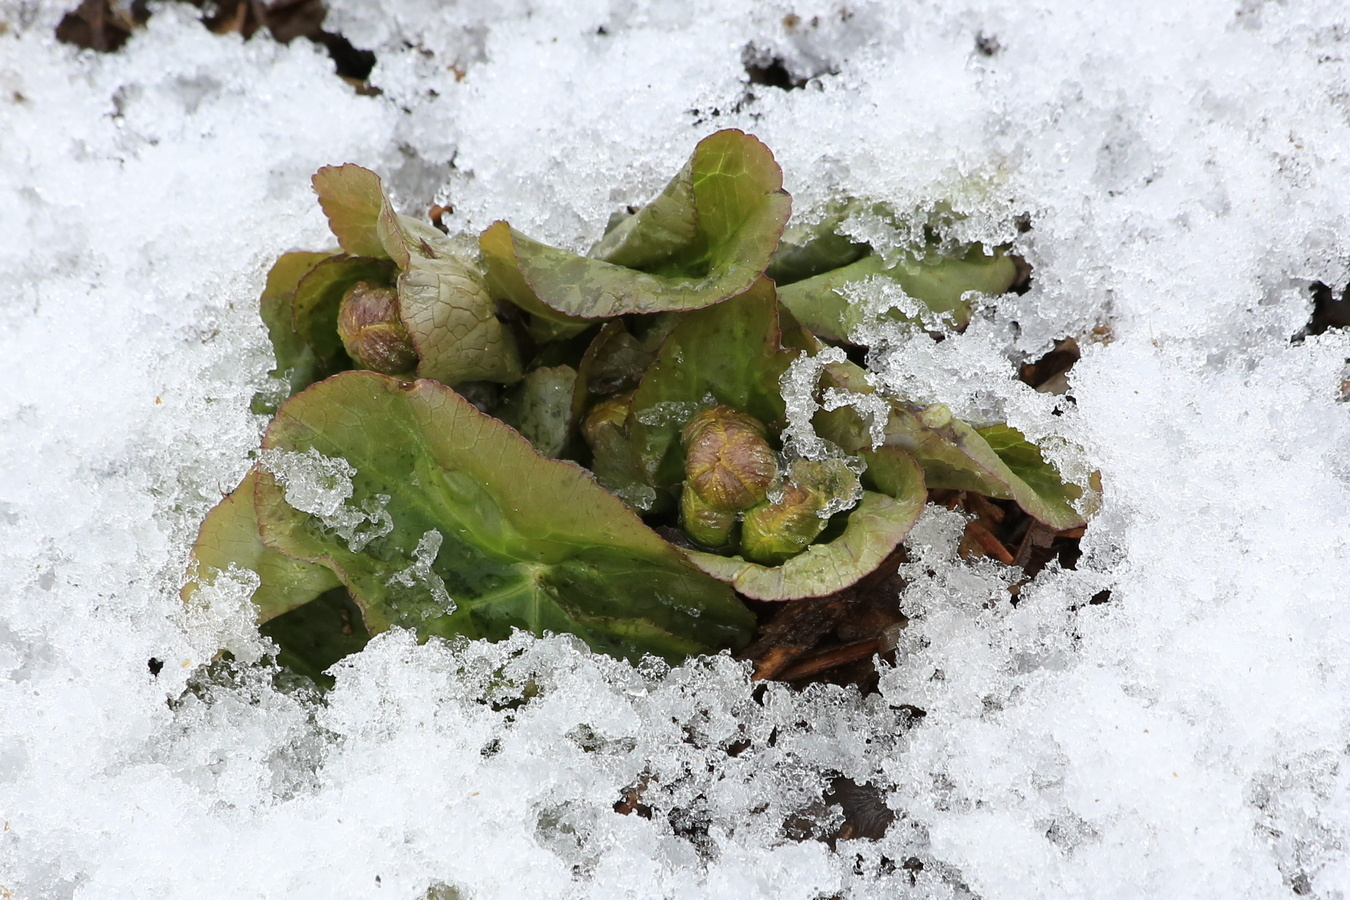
x: 276, y: 303
x: 505, y: 282
x: 296, y: 364
x: 540, y: 408
x: 318, y: 296
x: 1025, y: 460
x: 364, y: 221
x: 731, y: 354
x: 811, y: 250
x: 487, y: 534
x: 352, y: 198
x: 871, y: 533
x: 445, y: 306
x: 939, y: 282
x: 443, y: 300
x: 739, y: 209
x: 663, y: 228
x: 229, y: 534
x: 953, y: 455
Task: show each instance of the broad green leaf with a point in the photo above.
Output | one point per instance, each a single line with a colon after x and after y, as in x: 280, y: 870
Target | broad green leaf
x: 229, y: 534
x: 488, y: 535
x: 731, y: 354
x: 445, y: 307
x: 614, y: 362
x: 953, y: 455
x: 739, y: 209
x: 872, y: 531
x: 314, y: 306
x: 939, y: 282
x: 540, y: 408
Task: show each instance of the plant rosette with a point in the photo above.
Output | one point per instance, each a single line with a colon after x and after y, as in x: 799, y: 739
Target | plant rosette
x: 478, y: 435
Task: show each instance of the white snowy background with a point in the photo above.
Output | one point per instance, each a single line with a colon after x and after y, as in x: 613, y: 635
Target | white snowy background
x: 1185, y: 167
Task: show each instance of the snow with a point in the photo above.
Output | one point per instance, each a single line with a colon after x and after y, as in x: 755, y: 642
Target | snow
x: 1184, y: 169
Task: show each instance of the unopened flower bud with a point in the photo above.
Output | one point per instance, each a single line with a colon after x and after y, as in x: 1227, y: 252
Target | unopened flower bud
x: 728, y: 463
x: 781, y: 527
x: 707, y: 526
x: 371, y: 331
x: 605, y: 418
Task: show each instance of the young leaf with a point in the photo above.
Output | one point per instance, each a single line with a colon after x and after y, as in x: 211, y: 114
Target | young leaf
x: 364, y: 222
x: 444, y: 303
x: 664, y: 228
x: 873, y: 530
x: 738, y: 208
x: 487, y: 534
x: 731, y: 354
x: 540, y: 408
x: 953, y: 454
x: 1025, y: 460
x: 229, y: 534
x: 445, y: 307
x: 352, y: 198
x: 296, y: 364
x: 939, y: 282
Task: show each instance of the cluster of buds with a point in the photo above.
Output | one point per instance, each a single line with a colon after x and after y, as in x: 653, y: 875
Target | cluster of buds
x: 372, y: 332
x: 786, y: 524
x: 729, y: 468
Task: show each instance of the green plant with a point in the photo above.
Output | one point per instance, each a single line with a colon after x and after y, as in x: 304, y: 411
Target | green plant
x: 496, y: 434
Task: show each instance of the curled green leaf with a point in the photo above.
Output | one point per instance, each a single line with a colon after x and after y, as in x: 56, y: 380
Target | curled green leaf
x: 733, y: 195
x: 939, y: 282
x: 953, y: 454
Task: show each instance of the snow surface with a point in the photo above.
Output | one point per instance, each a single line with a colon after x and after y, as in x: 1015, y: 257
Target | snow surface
x: 1185, y: 167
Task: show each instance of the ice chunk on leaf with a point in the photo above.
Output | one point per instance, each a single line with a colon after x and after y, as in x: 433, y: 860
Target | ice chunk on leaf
x: 322, y: 486
x: 872, y: 532
x: 443, y: 298
x: 953, y: 454
x: 528, y: 542
x: 940, y: 282
x: 540, y: 408
x: 229, y: 535
x: 731, y: 354
x: 733, y: 194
